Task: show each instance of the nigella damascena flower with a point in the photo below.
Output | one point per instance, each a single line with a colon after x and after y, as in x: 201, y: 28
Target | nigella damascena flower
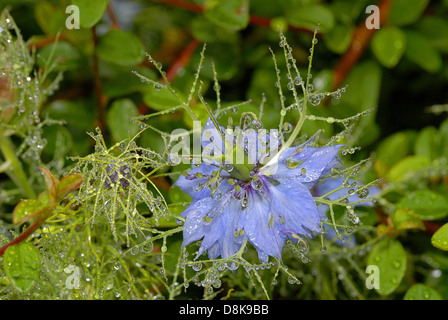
x: 114, y: 172
x: 261, y: 201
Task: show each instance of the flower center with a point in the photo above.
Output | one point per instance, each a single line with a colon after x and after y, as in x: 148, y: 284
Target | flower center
x: 240, y: 172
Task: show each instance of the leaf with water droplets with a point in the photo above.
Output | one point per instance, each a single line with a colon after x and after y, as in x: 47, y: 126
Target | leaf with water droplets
x: 421, y: 292
x: 68, y: 184
x: 390, y: 258
x: 27, y: 209
x: 51, y: 182
x: 404, y: 218
x: 440, y: 238
x: 407, y: 168
x: 391, y: 151
x: 427, y: 204
x: 21, y: 263
x: 160, y: 98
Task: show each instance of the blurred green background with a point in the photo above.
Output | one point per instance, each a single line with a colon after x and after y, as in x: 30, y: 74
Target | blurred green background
x: 401, y: 71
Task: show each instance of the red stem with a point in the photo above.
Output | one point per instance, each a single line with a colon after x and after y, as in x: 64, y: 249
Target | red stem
x: 185, y: 5
x: 33, y: 227
x: 113, y: 18
x: 182, y: 60
x: 252, y: 19
x: 360, y: 40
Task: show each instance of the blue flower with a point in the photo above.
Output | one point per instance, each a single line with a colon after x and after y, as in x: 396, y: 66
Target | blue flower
x: 260, y: 201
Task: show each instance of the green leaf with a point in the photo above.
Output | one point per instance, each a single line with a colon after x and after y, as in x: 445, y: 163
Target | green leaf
x: 339, y: 38
x: 390, y: 258
x: 403, y: 12
x: 362, y: 94
x: 436, y: 259
x: 68, y: 184
x: 388, y: 45
x: 125, y: 82
x: 51, y: 19
x: 310, y: 16
x: 443, y: 131
x: 420, y: 51
x: 75, y: 114
x: 225, y: 57
x: 160, y: 99
x: 435, y: 30
x: 392, y: 150
x: 66, y: 56
x: 80, y: 118
x: 119, y: 119
x: 422, y: 292
x: 27, y: 209
x: 426, y: 204
x: 405, y: 218
x: 407, y: 167
x: 230, y: 14
x: 90, y: 12
x: 206, y: 31
x: 120, y: 47
x: 59, y: 141
x: 176, y: 195
x: 21, y: 263
x: 440, y: 238
x: 51, y: 182
x: 427, y: 143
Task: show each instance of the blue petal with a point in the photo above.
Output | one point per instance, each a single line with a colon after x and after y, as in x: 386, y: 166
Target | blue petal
x: 222, y: 232
x: 188, y: 185
x: 303, y: 164
x: 259, y: 227
x: 229, y: 244
x: 215, y: 222
x: 292, y: 201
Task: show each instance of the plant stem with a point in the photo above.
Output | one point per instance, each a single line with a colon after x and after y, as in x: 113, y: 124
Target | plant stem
x: 33, y: 227
x: 360, y: 40
x: 253, y: 20
x: 20, y: 178
x: 181, y: 60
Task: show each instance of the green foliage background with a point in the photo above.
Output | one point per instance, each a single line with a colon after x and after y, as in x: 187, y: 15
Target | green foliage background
x: 89, y: 81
